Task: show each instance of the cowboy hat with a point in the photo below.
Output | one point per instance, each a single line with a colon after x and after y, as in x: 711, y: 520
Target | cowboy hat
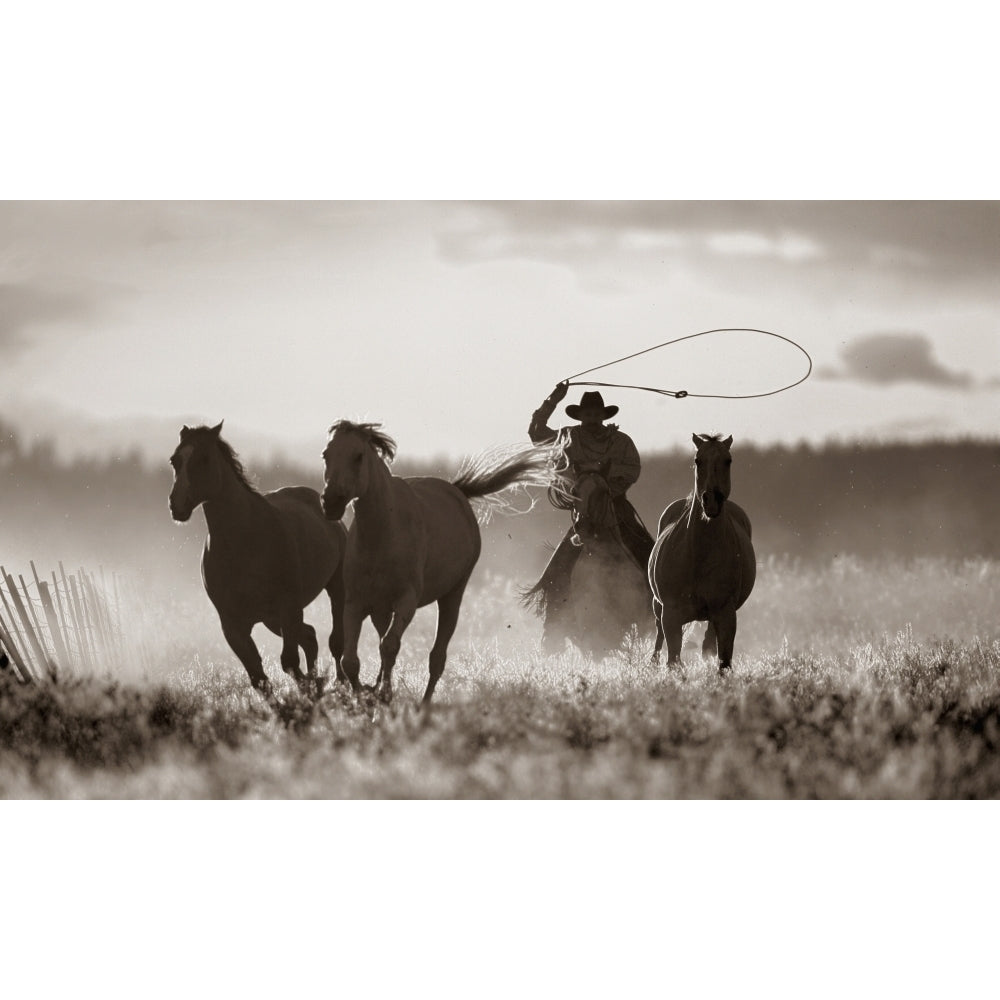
x: 590, y: 400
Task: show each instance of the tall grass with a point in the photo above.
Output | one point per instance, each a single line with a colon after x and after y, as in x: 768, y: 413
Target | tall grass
x: 830, y: 697
x: 897, y: 719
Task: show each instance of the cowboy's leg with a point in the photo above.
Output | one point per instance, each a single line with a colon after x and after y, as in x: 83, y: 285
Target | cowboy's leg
x: 564, y: 558
x: 634, y: 534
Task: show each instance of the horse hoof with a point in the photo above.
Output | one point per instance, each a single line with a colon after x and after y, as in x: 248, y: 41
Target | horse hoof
x: 725, y: 670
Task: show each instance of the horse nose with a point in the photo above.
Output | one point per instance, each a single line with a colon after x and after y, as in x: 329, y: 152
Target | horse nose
x: 333, y: 505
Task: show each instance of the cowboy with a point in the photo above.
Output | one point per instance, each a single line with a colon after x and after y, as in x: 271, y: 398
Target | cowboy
x: 602, y: 449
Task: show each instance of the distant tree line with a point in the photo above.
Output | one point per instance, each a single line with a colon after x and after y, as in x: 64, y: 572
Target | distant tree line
x: 814, y: 502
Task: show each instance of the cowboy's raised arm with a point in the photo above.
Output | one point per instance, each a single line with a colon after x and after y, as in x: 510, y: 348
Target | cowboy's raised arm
x: 538, y: 429
x: 624, y: 466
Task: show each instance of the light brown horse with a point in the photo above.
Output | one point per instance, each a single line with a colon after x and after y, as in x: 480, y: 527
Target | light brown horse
x: 267, y: 556
x: 413, y: 541
x: 703, y: 564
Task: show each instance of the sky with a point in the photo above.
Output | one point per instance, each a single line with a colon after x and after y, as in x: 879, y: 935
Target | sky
x: 451, y: 321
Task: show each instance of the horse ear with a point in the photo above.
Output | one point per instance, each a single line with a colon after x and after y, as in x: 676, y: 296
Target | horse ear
x: 696, y: 439
x: 217, y: 429
x: 185, y: 430
x: 728, y: 441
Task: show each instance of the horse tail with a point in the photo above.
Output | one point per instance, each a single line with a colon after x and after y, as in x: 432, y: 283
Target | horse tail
x: 514, y: 468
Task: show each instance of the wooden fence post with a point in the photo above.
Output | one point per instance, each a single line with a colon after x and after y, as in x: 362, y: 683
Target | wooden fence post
x: 62, y: 653
x: 15, y: 598
x: 14, y: 654
x: 74, y: 611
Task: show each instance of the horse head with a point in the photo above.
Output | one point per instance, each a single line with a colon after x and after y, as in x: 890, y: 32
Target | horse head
x: 711, y: 464
x: 593, y: 510
x: 197, y: 469
x: 347, y: 459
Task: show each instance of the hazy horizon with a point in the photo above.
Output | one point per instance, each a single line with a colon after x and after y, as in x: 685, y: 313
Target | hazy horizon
x: 450, y: 321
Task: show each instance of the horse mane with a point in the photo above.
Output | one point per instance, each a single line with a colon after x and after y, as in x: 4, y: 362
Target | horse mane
x: 192, y: 435
x: 717, y: 438
x: 373, y: 434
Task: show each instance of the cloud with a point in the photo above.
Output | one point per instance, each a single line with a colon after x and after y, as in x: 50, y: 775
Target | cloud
x: 946, y: 241
x: 886, y: 358
x: 113, y: 242
x: 785, y: 246
x: 24, y: 306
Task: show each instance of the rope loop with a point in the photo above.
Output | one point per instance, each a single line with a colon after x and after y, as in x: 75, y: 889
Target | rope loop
x: 684, y: 393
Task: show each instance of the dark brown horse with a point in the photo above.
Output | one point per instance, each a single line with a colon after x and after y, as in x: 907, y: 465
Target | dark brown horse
x: 413, y: 541
x: 603, y: 592
x: 267, y: 556
x: 703, y: 565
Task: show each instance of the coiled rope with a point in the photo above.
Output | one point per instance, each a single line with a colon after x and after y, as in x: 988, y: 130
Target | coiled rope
x: 683, y: 393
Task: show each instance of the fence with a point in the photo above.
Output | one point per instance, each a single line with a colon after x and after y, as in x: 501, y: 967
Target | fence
x: 68, y: 623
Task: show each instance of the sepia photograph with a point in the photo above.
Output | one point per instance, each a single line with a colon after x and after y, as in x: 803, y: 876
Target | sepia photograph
x: 498, y: 499
x: 499, y: 502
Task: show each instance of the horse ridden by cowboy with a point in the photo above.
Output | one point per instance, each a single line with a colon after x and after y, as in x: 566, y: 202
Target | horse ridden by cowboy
x: 598, y: 455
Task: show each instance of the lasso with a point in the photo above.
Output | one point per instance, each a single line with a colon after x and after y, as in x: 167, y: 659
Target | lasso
x: 683, y: 393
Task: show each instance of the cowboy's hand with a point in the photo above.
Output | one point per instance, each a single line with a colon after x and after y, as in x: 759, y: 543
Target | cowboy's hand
x: 559, y: 392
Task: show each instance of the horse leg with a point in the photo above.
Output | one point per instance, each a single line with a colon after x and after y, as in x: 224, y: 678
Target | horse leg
x: 310, y: 647
x: 672, y: 626
x: 657, y: 611
x: 292, y: 630
x: 304, y: 637
x: 242, y: 644
x: 402, y: 615
x: 335, y: 589
x: 354, y: 615
x: 448, y: 608
x: 381, y: 620
x: 725, y: 627
x: 710, y: 644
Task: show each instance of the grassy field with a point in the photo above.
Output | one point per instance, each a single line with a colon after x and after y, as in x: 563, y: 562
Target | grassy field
x: 850, y: 680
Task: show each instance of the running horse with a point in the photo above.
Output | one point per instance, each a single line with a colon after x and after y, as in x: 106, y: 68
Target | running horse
x: 267, y: 556
x: 703, y: 564
x: 413, y: 541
